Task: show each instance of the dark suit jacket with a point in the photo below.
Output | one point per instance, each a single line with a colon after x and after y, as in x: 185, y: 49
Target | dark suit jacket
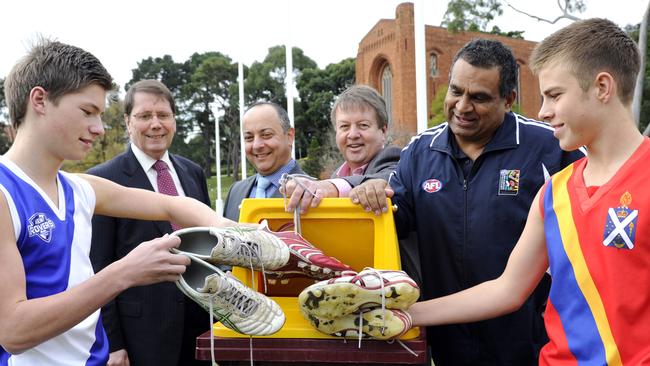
x: 241, y: 190
x: 379, y: 167
x: 150, y: 322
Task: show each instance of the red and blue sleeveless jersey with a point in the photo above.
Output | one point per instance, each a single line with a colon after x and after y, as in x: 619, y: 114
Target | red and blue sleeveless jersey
x: 598, y: 311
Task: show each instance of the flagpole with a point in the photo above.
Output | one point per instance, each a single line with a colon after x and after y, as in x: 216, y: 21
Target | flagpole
x: 420, y: 67
x: 240, y: 79
x: 219, y: 202
x: 289, y: 74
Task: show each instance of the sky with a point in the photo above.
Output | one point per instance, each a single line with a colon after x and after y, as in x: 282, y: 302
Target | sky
x: 122, y: 33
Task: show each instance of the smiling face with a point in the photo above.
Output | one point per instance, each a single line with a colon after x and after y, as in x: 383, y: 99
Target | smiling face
x: 567, y: 107
x: 74, y: 122
x: 266, y: 144
x: 151, y: 134
x: 473, y: 105
x: 358, y: 136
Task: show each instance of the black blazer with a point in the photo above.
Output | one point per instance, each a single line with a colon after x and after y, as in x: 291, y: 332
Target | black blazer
x: 241, y: 190
x: 150, y: 322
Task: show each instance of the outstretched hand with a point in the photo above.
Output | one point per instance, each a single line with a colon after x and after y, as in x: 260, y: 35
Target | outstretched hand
x: 371, y: 195
x: 152, y: 262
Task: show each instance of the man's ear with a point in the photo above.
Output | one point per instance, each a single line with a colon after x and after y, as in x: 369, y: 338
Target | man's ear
x: 38, y: 99
x: 510, y: 100
x: 605, y: 86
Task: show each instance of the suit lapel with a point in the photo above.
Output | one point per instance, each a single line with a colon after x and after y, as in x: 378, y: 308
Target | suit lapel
x: 133, y: 170
x: 183, y: 176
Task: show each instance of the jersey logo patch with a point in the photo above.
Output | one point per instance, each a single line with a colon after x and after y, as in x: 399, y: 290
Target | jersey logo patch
x: 432, y: 185
x: 508, y: 182
x: 41, y: 226
x: 620, y: 229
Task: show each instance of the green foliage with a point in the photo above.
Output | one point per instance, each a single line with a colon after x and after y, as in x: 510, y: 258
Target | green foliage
x: 209, y: 80
x: 4, y: 123
x: 470, y: 15
x: 266, y: 79
x: 438, y: 107
x: 312, y: 164
x: 317, y: 89
x: 512, y: 34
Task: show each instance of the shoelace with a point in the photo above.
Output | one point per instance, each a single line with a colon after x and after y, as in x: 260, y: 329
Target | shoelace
x: 383, y: 303
x: 248, y: 250
x: 383, y: 312
x: 239, y: 303
x: 284, y: 179
x: 250, y: 338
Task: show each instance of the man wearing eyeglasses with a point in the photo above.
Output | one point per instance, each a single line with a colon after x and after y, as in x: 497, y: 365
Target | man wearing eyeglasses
x: 148, y: 325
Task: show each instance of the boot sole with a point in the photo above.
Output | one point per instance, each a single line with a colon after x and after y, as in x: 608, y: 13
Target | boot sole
x: 339, y: 299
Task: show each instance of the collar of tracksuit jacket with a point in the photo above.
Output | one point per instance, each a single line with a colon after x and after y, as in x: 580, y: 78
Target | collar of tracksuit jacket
x: 505, y: 137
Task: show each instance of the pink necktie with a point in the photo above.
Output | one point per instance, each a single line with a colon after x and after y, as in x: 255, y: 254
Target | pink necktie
x: 165, y: 183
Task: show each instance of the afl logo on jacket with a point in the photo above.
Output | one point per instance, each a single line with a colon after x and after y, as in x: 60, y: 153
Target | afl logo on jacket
x: 432, y: 185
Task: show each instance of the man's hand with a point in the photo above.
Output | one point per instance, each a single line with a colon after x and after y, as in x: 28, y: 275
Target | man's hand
x: 371, y: 195
x: 311, y: 192
x: 152, y: 262
x: 118, y: 358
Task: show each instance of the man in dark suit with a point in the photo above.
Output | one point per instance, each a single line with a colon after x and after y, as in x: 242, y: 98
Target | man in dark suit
x: 156, y: 324
x: 268, y: 139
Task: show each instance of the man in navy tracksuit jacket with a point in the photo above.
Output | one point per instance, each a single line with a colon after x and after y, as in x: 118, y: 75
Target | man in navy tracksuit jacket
x: 468, y: 223
x: 465, y: 188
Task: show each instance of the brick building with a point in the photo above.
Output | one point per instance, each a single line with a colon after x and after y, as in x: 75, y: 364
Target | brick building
x: 386, y: 61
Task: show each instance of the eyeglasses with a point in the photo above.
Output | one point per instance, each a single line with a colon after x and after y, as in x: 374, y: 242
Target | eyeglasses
x: 148, y: 116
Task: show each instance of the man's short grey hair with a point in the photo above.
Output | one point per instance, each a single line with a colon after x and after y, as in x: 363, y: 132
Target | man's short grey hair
x: 361, y: 97
x: 283, y: 116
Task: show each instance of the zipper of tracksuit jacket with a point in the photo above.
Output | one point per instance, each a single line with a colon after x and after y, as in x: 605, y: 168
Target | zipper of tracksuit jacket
x: 472, y: 171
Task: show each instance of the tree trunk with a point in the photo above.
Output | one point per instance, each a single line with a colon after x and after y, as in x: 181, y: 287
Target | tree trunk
x: 638, y: 90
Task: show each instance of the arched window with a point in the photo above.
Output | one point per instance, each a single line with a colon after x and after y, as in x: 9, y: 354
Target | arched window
x: 433, y: 64
x: 387, y: 90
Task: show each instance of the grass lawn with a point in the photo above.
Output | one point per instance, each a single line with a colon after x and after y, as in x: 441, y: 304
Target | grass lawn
x: 226, y: 182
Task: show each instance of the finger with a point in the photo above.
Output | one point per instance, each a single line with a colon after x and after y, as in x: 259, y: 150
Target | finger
x: 363, y: 199
x: 179, y: 259
x: 169, y: 278
x: 295, y: 198
x: 167, y: 242
x: 307, y: 197
x: 389, y: 192
x: 175, y: 269
x: 317, y: 198
x: 288, y: 188
x: 375, y: 202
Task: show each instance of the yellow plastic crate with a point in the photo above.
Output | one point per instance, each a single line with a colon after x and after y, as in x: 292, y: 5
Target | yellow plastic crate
x: 340, y: 229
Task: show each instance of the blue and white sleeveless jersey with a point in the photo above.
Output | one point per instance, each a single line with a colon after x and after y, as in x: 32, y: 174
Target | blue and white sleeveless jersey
x: 54, y: 243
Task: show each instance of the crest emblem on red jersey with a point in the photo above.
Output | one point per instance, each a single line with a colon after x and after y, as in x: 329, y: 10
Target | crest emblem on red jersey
x: 620, y: 229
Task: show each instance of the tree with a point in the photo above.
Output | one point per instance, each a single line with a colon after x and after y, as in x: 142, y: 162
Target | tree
x: 266, y: 80
x: 314, y: 133
x: 470, y: 15
x: 438, y: 107
x: 211, y: 77
x: 4, y: 124
x: 317, y: 89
